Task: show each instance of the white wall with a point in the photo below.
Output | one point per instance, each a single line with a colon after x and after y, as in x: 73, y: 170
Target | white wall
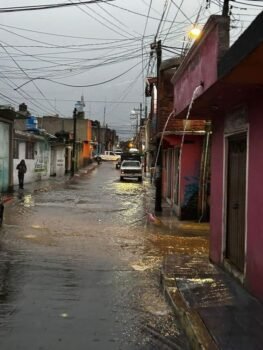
x: 60, y: 161
x: 38, y: 168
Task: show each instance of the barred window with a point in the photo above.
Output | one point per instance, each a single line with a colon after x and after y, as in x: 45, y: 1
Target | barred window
x: 16, y: 149
x: 29, y: 150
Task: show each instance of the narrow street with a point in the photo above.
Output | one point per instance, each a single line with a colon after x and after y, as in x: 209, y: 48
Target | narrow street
x: 80, y: 268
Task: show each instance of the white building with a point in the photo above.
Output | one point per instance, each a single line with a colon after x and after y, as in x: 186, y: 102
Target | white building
x: 7, y: 116
x: 36, y: 151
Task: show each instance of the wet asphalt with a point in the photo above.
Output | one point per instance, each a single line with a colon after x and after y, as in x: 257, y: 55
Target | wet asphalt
x: 80, y: 268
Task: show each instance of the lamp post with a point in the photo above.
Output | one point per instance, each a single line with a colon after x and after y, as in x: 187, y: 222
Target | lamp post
x: 158, y: 170
x: 137, y: 114
x: 134, y: 115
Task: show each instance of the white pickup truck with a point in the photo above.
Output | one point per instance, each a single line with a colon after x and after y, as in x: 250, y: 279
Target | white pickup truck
x: 109, y: 155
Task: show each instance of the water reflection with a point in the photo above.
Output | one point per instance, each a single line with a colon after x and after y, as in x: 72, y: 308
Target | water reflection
x: 9, y: 277
x: 86, y: 268
x: 27, y: 200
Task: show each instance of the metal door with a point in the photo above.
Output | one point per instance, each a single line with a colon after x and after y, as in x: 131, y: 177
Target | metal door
x: 236, y: 200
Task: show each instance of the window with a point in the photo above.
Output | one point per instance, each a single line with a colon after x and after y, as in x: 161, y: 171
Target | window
x: 29, y: 150
x: 16, y: 149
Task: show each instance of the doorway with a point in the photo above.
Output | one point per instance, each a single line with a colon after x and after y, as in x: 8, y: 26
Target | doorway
x: 236, y: 201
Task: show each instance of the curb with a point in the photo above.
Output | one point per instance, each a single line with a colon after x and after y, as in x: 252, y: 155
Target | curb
x: 193, y: 325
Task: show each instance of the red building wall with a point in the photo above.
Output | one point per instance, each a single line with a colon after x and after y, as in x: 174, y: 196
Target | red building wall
x: 190, y: 176
x: 200, y: 64
x: 255, y: 200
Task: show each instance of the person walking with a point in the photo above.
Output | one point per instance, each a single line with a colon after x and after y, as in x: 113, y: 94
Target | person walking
x: 21, y: 167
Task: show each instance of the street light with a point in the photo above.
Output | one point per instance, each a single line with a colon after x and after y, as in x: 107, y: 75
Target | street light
x: 194, y: 32
x: 137, y: 114
x: 134, y: 116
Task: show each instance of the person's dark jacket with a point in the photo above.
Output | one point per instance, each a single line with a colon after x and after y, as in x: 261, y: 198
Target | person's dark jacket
x: 21, y: 167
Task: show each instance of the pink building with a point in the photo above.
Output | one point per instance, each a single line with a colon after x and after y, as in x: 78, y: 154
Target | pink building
x: 182, y: 158
x: 231, y: 97
x: 182, y: 146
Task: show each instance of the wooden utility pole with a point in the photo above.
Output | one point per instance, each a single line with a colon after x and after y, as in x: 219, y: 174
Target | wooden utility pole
x: 158, y: 170
x: 225, y: 11
x: 73, y: 157
x: 104, y: 116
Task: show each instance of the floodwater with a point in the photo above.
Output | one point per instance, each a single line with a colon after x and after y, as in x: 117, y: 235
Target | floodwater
x: 80, y: 268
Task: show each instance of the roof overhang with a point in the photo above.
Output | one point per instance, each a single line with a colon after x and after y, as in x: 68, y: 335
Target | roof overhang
x: 27, y: 136
x: 7, y: 113
x: 170, y: 134
x: 240, y: 76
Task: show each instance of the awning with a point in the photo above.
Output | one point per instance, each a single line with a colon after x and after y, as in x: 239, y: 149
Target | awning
x: 173, y: 140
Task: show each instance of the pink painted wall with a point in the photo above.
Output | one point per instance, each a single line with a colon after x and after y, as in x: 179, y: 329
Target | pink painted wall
x: 254, y: 276
x: 190, y: 173
x: 254, y: 256
x: 216, y: 199
x: 201, y: 67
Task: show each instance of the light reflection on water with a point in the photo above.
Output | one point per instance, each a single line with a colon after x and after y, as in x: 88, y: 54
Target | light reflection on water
x: 98, y: 266
x: 27, y: 200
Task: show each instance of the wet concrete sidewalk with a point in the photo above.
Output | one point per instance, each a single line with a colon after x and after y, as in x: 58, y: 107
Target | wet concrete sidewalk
x: 215, y: 310
x: 47, y: 185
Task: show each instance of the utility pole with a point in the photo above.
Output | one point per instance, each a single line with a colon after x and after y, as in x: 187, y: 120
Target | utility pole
x: 139, y: 130
x: 104, y: 116
x: 73, y: 158
x: 136, y: 113
x: 225, y: 11
x: 145, y: 138
x: 158, y: 170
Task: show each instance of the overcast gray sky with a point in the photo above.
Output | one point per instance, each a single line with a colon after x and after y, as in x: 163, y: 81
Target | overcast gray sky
x: 89, y: 44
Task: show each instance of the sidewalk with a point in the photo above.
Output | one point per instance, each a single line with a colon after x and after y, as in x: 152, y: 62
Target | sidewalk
x: 49, y: 184
x: 215, y: 310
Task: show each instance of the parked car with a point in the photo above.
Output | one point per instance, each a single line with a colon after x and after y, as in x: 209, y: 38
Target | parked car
x: 127, y: 156
x: 131, y: 169
x: 118, y: 151
x: 109, y: 155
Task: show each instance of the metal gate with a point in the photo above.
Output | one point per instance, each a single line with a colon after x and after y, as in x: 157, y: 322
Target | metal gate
x: 236, y: 200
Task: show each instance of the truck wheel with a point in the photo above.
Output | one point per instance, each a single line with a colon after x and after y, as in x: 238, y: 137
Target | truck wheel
x: 140, y: 179
x: 121, y: 178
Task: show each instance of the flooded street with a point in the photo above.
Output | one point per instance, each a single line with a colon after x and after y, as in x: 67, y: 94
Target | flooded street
x: 80, y: 266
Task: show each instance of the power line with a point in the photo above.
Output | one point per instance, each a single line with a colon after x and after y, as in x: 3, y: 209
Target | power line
x: 160, y: 22
x: 243, y: 3
x: 79, y: 86
x: 96, y: 19
x: 133, y: 12
x: 48, y: 7
x: 171, y: 25
x: 92, y: 101
x: 17, y: 64
x: 115, y: 18
x: 147, y: 18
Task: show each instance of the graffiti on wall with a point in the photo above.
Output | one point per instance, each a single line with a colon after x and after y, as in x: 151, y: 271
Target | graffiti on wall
x: 41, y: 164
x: 189, y: 206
